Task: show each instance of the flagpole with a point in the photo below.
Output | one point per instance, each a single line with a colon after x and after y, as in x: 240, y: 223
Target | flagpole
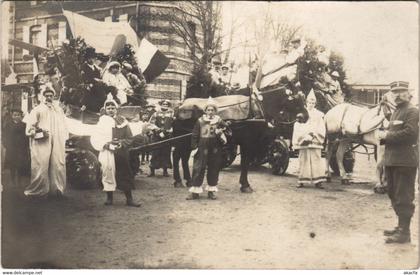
x: 137, y: 17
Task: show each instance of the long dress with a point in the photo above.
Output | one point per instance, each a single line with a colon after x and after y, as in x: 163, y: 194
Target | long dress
x: 161, y: 158
x: 48, y: 159
x: 115, y: 165
x: 311, y: 165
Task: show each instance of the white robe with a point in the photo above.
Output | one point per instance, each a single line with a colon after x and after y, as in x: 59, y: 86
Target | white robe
x: 48, y: 156
x: 98, y: 139
x: 121, y: 83
x: 311, y: 166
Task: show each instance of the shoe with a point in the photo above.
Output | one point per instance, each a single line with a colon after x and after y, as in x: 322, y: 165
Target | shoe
x: 178, y: 184
x: 399, y: 237
x: 151, y: 175
x: 299, y: 185
x: 133, y: 204
x: 211, y: 195
x: 391, y: 232
x: 165, y: 174
x: 247, y: 189
x: 193, y: 196
x: 319, y: 185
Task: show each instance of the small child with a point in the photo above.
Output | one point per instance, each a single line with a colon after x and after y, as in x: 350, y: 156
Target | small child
x: 208, y: 138
x: 145, y: 156
x: 16, y: 143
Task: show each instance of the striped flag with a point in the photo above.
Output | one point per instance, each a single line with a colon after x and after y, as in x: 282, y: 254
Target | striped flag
x: 110, y: 37
x: 150, y: 60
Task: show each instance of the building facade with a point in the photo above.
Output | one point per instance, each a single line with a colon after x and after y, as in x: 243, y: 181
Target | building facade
x: 42, y: 23
x: 368, y: 94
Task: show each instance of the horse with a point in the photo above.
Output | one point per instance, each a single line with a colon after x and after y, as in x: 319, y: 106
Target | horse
x: 254, y: 133
x: 347, y: 124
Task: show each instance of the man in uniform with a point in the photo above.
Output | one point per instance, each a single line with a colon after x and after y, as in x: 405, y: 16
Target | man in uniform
x: 401, y: 160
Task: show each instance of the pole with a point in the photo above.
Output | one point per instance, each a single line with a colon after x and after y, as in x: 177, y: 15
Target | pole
x: 137, y: 16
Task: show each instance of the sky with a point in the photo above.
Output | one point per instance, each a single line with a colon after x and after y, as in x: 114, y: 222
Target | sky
x: 378, y: 40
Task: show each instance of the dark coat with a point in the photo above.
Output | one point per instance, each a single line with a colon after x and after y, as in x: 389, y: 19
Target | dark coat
x: 401, y: 140
x: 90, y: 74
x: 16, y: 144
x: 123, y: 172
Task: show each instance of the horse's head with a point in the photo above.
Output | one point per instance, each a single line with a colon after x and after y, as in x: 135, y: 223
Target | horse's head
x: 387, y: 105
x: 282, y: 108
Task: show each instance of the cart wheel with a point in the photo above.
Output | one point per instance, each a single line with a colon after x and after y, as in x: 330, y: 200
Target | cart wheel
x: 279, y: 157
x: 229, y: 152
x: 83, y: 169
x: 348, y: 162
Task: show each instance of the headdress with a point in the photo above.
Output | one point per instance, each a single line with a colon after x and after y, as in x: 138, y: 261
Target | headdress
x: 311, y: 95
x: 110, y: 99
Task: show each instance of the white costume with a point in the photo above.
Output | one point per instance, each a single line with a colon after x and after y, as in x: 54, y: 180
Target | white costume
x: 48, y: 159
x: 98, y: 139
x: 308, y: 138
x: 119, y: 81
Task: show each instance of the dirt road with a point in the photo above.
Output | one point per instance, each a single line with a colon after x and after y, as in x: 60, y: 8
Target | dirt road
x: 270, y: 228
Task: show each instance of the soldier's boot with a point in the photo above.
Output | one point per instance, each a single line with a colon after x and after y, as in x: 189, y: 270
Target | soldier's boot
x: 393, y: 231
x: 402, y: 235
x: 109, y: 198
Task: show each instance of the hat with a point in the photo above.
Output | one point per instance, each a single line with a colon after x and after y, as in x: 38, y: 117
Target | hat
x: 165, y: 101
x: 90, y: 52
x: 113, y: 64
x: 110, y: 99
x: 311, y: 96
x: 210, y: 102
x: 296, y: 40
x: 335, y: 73
x: 225, y: 67
x: 127, y: 66
x: 399, y: 86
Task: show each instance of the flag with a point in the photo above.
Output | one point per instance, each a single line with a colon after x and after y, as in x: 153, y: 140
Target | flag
x: 110, y: 37
x: 150, y: 60
x: 105, y: 37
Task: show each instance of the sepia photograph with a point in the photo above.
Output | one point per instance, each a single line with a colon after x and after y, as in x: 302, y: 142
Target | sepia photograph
x: 209, y: 135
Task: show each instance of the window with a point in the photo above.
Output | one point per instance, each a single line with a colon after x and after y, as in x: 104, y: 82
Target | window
x: 35, y: 35
x: 192, y: 27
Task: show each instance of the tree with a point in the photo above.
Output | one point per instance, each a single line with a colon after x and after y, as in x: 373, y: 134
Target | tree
x: 198, y: 23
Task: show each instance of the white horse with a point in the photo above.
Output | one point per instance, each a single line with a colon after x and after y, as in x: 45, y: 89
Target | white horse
x: 348, y: 124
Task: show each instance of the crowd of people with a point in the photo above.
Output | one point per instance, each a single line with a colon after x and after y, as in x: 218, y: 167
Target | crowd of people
x: 38, y: 141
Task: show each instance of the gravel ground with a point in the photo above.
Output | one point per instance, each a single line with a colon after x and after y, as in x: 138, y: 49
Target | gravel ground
x: 276, y: 227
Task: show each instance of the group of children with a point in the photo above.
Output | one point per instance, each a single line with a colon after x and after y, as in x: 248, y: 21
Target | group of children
x: 114, y: 137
